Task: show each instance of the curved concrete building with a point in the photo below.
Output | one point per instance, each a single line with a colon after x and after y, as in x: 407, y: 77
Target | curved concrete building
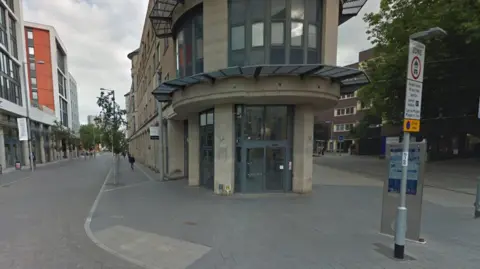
x: 237, y: 95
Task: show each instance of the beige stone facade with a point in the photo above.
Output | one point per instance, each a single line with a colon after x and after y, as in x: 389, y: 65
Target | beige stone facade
x: 209, y: 134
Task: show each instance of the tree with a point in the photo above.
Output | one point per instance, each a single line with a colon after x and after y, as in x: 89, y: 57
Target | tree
x: 451, y: 61
x: 90, y: 135
x: 111, y: 120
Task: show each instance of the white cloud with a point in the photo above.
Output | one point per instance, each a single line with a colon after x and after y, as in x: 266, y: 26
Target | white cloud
x: 351, y: 35
x: 98, y: 35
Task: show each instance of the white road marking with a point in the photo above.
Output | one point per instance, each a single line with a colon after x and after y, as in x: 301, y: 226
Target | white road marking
x: 89, y: 232
x: 13, y: 182
x: 126, y: 187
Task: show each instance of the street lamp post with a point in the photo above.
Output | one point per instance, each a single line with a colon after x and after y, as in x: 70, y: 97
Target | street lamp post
x: 401, y: 219
x: 27, y: 104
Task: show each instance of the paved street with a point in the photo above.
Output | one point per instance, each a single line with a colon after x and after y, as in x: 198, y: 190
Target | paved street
x: 170, y: 225
x: 458, y: 175
x: 43, y: 215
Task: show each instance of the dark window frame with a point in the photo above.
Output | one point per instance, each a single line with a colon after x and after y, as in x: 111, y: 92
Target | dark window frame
x: 287, y: 24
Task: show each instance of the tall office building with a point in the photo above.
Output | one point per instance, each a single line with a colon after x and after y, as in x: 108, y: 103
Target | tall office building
x: 74, y: 104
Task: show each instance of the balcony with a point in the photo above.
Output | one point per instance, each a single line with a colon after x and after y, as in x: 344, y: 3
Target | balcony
x: 161, y: 17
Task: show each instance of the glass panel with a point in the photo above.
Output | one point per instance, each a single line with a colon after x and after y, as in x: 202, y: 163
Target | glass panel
x: 210, y: 118
x: 257, y: 34
x: 255, y: 169
x: 203, y: 119
x: 312, y: 10
x: 298, y: 9
x: 312, y: 57
x: 277, y: 34
x: 237, y: 58
x: 296, y: 34
x: 278, y: 10
x: 188, y: 49
x: 296, y: 56
x: 238, y: 167
x: 237, y: 11
x: 276, y: 123
x: 254, y: 123
x: 180, y: 54
x: 257, y: 56
x: 256, y: 9
x: 277, y: 55
x: 275, y: 168
x: 312, y: 36
x: 238, y: 37
x: 207, y: 168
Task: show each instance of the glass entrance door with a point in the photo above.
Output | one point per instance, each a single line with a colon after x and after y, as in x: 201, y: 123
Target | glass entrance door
x: 266, y: 168
x: 207, y: 157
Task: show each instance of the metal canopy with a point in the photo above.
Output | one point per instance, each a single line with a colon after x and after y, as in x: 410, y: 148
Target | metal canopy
x: 161, y: 16
x: 350, y: 79
x: 350, y: 9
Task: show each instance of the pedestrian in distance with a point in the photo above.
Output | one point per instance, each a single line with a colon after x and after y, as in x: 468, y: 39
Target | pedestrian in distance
x: 131, y: 160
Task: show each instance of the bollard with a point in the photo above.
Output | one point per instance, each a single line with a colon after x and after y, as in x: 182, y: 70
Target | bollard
x: 477, y: 200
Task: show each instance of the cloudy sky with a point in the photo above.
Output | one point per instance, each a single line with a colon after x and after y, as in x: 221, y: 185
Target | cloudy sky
x: 99, y: 34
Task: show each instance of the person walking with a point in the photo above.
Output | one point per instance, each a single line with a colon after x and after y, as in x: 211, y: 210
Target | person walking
x: 131, y: 160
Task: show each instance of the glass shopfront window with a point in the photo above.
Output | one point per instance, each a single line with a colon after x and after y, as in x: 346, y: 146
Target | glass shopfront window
x: 189, y: 44
x: 274, y: 31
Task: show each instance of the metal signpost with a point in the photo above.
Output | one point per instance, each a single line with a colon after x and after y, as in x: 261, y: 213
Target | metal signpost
x: 412, y: 115
x: 413, y: 189
x: 340, y: 140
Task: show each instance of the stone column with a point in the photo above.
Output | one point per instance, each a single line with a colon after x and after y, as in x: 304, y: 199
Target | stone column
x: 193, y: 150
x: 303, y: 149
x: 26, y: 153
x: 42, y: 147
x: 3, y: 160
x: 224, y: 148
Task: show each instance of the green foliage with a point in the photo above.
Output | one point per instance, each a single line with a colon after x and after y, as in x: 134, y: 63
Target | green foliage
x: 367, y: 126
x: 90, y: 135
x: 64, y: 134
x: 110, y: 121
x: 450, y: 61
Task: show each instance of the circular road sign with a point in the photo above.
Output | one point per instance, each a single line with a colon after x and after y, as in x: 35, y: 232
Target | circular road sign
x: 416, y: 67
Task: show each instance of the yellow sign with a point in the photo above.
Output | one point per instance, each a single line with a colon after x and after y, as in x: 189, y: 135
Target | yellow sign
x: 412, y: 126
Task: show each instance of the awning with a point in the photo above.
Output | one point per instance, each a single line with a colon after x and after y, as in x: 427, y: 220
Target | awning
x: 350, y: 79
x: 350, y: 9
x: 161, y: 16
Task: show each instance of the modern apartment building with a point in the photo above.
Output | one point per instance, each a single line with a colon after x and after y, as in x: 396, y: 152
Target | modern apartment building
x: 14, y: 67
x: 338, y: 121
x: 237, y: 84
x: 48, y: 71
x: 74, y: 104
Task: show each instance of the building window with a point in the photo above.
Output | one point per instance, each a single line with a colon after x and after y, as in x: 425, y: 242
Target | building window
x: 189, y: 45
x: 344, y: 127
x: 10, y: 80
x: 31, y: 51
x: 61, y: 59
x: 3, y: 27
x: 29, y: 34
x: 345, y: 111
x: 347, y: 96
x: 13, y: 37
x: 274, y: 31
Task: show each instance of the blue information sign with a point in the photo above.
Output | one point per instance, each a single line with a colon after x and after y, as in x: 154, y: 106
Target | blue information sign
x: 340, y: 138
x: 395, y: 170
